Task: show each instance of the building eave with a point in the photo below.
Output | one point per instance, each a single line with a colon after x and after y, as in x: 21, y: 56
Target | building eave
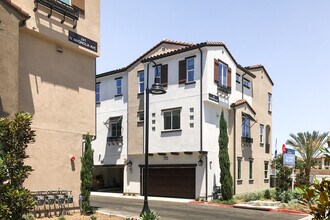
x: 259, y: 66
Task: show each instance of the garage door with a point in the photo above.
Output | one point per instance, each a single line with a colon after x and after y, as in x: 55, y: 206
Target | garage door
x: 172, y: 182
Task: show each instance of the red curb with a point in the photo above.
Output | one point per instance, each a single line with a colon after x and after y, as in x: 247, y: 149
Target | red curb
x: 288, y: 211
x: 211, y: 203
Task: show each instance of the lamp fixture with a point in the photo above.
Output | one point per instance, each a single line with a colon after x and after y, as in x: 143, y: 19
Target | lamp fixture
x: 200, y: 162
x: 129, y: 163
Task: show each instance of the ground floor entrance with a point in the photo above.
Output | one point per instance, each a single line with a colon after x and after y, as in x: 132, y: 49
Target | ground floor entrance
x: 108, y: 179
x: 171, y: 181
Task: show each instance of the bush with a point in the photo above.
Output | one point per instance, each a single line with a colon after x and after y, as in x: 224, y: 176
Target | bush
x: 93, y: 217
x: 28, y: 216
x: 267, y: 194
x: 61, y: 217
x: 247, y: 197
x: 278, y: 195
x: 227, y: 202
x: 152, y: 215
x: 286, y: 197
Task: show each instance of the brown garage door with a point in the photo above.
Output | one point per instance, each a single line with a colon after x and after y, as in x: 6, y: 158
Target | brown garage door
x: 172, y: 182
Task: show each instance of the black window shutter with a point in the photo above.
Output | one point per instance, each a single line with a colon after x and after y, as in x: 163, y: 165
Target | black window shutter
x: 182, y: 72
x: 164, y: 75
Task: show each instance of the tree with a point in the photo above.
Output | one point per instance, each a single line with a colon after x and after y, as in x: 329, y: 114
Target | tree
x: 308, y: 144
x: 15, y: 135
x: 225, y: 176
x: 86, y: 174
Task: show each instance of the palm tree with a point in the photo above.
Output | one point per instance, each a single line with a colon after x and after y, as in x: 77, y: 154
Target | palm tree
x: 308, y: 145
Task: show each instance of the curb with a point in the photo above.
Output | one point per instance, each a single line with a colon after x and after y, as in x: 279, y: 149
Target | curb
x: 289, y: 211
x: 211, y: 203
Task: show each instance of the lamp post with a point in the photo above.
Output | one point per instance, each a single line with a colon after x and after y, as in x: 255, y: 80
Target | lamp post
x: 156, y: 89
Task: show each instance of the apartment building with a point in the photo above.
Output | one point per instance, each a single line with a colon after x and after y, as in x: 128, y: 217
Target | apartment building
x: 47, y: 63
x: 201, y: 80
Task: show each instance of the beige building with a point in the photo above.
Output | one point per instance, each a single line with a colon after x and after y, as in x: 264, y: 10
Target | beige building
x: 48, y: 65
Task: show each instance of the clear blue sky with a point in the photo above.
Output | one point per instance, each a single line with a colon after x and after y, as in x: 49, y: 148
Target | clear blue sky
x: 291, y: 38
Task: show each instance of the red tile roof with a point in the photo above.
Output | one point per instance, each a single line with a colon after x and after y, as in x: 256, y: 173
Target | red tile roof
x: 257, y: 66
x: 242, y: 102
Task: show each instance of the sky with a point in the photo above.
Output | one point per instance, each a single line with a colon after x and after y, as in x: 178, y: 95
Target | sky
x: 291, y: 38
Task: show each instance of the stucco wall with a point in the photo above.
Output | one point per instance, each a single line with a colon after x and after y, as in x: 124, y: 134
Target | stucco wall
x: 9, y: 41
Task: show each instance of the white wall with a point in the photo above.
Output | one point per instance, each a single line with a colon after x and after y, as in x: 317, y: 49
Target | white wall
x: 110, y: 106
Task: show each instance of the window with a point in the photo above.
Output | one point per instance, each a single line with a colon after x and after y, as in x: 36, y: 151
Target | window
x: 118, y: 86
x: 141, y: 81
x: 250, y: 169
x: 66, y: 1
x: 246, y: 83
x: 161, y: 71
x: 97, y: 92
x: 140, y: 116
x: 238, y: 78
x: 246, y: 126
x: 114, y: 125
x: 239, y: 168
x: 266, y: 165
x: 269, y: 102
x: 172, y: 119
x: 223, y: 75
x: 190, y: 69
x: 261, y: 133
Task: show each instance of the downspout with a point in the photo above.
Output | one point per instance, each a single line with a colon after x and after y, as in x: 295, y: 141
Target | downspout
x: 201, y: 123
x: 234, y: 160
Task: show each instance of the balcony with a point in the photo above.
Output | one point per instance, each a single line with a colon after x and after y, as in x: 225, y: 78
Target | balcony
x: 118, y: 140
x: 247, y: 140
x: 224, y: 89
x: 61, y: 8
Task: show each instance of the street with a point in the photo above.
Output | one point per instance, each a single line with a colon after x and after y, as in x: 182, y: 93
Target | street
x: 175, y: 210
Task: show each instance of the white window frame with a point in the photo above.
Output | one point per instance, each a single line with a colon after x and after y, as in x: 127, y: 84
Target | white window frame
x: 171, y: 111
x: 119, y: 87
x: 190, y: 70
x: 223, y: 75
x: 250, y: 169
x: 269, y: 102
x: 141, y: 82
x: 266, y: 169
x: 262, y: 128
x: 98, y: 92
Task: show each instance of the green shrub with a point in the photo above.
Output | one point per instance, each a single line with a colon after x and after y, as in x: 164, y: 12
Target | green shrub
x: 61, y: 217
x: 286, y: 197
x: 247, y: 197
x: 28, y: 216
x: 152, y: 215
x: 228, y: 202
x: 267, y: 194
x: 278, y: 195
x: 93, y: 217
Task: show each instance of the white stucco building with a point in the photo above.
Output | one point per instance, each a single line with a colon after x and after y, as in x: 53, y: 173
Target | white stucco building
x: 201, y: 80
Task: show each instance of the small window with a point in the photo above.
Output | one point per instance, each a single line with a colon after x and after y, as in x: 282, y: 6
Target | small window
x: 238, y: 78
x: 250, y: 169
x: 246, y: 126
x: 223, y: 72
x: 119, y: 86
x: 140, y: 116
x: 114, y: 125
x: 246, y: 83
x: 191, y: 117
x: 141, y: 81
x: 191, y: 125
x: 266, y: 166
x: 66, y: 1
x: 191, y: 109
x: 97, y: 92
x: 262, y: 133
x: 239, y: 168
x: 172, y: 119
x: 190, y: 69
x: 269, y: 102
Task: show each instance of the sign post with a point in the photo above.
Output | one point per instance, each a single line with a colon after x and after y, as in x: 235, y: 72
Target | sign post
x: 289, y: 160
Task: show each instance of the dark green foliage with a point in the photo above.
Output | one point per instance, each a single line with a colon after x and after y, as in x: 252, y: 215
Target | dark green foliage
x: 227, y: 202
x: 86, y: 175
x: 152, y: 215
x: 15, y: 135
x: 267, y: 194
x: 225, y: 176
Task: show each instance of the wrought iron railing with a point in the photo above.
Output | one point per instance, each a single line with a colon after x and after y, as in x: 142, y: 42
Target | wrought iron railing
x: 247, y: 140
x: 61, y: 8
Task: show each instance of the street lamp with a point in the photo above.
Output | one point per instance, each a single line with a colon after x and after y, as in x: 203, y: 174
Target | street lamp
x: 156, y: 89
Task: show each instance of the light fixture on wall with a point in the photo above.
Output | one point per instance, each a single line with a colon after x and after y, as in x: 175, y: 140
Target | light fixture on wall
x: 200, y: 162
x: 129, y: 163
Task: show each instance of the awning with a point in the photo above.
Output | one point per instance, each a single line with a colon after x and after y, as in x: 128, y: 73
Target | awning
x: 113, y: 120
x: 248, y: 116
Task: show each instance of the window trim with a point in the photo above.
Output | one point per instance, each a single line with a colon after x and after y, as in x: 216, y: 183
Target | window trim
x: 98, y: 94
x: 121, y: 86
x: 248, y: 81
x: 239, y: 76
x: 261, y: 133
x: 266, y: 172
x: 221, y: 79
x: 139, y: 82
x: 239, y: 168
x: 244, y: 119
x: 171, y: 110
x: 269, y: 102
x: 187, y: 70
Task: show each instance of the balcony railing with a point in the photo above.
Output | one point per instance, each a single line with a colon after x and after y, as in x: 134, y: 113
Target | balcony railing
x: 115, y: 140
x: 225, y: 89
x: 247, y: 140
x: 61, y: 8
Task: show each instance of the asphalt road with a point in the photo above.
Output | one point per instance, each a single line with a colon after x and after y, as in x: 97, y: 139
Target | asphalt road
x: 175, y: 211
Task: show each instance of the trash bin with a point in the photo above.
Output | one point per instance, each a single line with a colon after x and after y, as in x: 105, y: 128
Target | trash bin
x: 80, y: 203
